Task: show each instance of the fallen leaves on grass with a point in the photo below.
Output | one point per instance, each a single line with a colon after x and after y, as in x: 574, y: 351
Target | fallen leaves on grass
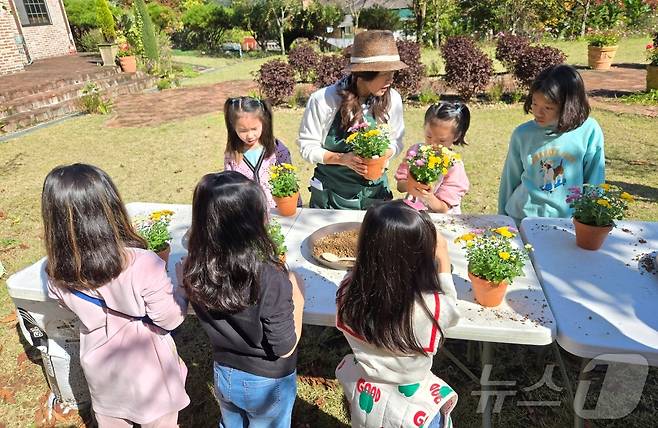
x: 7, y: 395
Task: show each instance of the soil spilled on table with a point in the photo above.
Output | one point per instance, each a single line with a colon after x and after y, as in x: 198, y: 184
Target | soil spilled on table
x: 342, y: 244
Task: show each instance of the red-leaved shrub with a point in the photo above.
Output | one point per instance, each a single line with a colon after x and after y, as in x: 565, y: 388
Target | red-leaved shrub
x: 304, y: 60
x: 330, y: 69
x: 533, y: 60
x: 276, y: 80
x: 409, y: 80
x: 509, y: 47
x: 468, y: 68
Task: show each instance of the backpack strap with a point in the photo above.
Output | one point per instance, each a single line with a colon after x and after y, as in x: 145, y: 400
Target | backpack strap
x: 101, y: 303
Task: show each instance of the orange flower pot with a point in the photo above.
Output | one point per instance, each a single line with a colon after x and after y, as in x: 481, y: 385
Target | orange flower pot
x: 600, y: 58
x: 164, y: 254
x: 487, y: 293
x: 590, y: 237
x: 128, y: 64
x: 287, y: 205
x: 375, y: 168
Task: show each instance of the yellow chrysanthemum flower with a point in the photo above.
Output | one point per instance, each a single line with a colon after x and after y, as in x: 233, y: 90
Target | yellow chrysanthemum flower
x: 504, y: 255
x: 603, y: 203
x: 504, y: 232
x: 444, y: 171
x: 351, y: 137
x: 273, y: 176
x: 627, y: 196
x: 604, y: 186
x: 288, y: 167
x: 466, y: 237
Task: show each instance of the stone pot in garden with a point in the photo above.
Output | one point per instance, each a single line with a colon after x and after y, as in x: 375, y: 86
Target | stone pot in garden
x: 600, y: 57
x: 108, y: 53
x: 652, y: 77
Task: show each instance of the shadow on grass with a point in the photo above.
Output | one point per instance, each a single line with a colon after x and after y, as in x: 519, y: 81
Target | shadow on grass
x: 309, y: 415
x: 640, y: 191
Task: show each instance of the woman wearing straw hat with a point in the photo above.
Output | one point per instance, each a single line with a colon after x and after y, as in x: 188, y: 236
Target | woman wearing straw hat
x: 363, y: 96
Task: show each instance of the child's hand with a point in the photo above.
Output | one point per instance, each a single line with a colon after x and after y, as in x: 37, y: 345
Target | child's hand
x: 418, y: 190
x: 442, y: 253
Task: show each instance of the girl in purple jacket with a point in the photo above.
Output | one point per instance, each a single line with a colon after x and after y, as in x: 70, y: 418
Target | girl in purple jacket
x: 251, y: 148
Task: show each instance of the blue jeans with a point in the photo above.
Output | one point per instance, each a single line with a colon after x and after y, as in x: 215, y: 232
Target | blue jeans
x: 247, y: 400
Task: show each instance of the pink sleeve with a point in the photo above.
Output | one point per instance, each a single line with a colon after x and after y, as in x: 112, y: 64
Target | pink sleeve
x: 454, y: 185
x: 165, y: 308
x: 403, y: 169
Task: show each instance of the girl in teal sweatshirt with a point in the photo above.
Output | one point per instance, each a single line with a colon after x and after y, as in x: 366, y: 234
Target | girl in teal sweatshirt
x: 561, y: 148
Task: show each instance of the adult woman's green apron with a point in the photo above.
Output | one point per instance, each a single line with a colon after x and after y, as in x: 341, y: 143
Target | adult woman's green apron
x: 342, y: 187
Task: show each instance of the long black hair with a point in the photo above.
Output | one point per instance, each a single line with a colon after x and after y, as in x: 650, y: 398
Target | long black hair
x: 233, y: 108
x: 228, y: 243
x: 86, y: 227
x: 350, y: 109
x: 564, y: 86
x: 457, y: 112
x: 395, y: 266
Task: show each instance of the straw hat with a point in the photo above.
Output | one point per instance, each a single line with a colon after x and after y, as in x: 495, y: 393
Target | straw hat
x: 375, y: 50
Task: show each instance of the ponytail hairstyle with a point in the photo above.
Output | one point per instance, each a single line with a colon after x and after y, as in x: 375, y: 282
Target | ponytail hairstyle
x: 233, y: 108
x: 350, y: 110
x: 456, y: 112
x: 228, y: 243
x: 395, y: 265
x: 86, y: 227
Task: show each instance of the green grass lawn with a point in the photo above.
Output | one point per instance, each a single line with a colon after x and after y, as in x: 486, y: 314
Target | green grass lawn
x: 165, y: 165
x: 631, y: 50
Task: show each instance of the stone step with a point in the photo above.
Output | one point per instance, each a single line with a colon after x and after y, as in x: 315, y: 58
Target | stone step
x: 53, y: 111
x: 72, y: 91
x: 101, y: 73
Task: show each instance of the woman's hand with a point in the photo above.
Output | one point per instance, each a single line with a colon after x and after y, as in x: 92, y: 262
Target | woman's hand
x: 354, y: 163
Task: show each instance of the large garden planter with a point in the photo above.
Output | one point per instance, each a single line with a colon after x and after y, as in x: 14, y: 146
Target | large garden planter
x: 652, y: 77
x: 487, y: 293
x: 375, y: 168
x: 287, y: 205
x: 600, y: 57
x: 128, y: 64
x: 590, y: 237
x: 108, y: 53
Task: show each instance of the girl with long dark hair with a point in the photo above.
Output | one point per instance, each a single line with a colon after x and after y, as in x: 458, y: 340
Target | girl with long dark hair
x: 247, y: 302
x: 393, y: 309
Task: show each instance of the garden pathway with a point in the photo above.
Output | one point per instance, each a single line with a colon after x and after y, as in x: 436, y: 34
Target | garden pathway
x: 154, y: 108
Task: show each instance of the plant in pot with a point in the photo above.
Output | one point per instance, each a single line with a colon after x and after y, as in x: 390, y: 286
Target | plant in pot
x: 370, y: 143
x: 154, y: 228
x: 284, y: 185
x: 105, y: 20
x: 127, y: 58
x: 274, y: 231
x: 601, y: 49
x: 595, y: 210
x: 652, y: 67
x: 493, y: 262
x: 427, y: 166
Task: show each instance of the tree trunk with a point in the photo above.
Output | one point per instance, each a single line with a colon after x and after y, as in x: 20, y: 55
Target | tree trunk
x: 583, y: 26
x: 420, y: 9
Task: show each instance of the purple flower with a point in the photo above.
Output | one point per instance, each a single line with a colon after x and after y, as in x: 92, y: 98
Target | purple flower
x: 575, y: 190
x: 420, y: 162
x: 412, y: 153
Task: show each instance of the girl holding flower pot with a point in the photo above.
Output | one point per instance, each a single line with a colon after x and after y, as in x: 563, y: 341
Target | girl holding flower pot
x: 445, y: 125
x: 364, y: 97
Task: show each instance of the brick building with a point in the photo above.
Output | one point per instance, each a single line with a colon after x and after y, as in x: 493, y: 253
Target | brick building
x: 32, y: 30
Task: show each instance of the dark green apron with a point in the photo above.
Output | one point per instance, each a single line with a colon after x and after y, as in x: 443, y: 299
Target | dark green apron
x: 343, y: 188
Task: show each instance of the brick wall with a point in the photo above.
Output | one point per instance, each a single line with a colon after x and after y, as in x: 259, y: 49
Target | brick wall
x: 11, y: 58
x: 44, y: 41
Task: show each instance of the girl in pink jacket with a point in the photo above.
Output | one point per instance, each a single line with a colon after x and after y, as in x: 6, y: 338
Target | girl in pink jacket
x: 99, y: 268
x: 251, y: 148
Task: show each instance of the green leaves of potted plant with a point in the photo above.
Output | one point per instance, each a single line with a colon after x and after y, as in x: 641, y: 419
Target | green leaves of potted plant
x: 601, y: 49
x: 284, y: 185
x: 106, y: 22
x: 427, y: 166
x: 595, y: 210
x: 493, y: 262
x: 274, y: 231
x: 370, y: 143
x: 652, y: 67
x: 127, y: 58
x: 155, y: 230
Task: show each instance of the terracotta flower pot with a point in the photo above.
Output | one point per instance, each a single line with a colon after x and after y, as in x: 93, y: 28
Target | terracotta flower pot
x: 164, y: 254
x: 287, y: 205
x: 487, y: 293
x: 128, y: 64
x: 652, y: 77
x: 590, y: 237
x: 282, y: 257
x: 600, y: 57
x: 375, y: 168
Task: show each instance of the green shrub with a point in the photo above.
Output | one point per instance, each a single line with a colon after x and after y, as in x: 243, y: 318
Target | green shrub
x: 92, y: 102
x: 148, y: 37
x: 90, y: 40
x: 105, y: 20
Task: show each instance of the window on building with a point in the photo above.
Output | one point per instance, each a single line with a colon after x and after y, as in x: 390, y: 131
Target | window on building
x: 32, y: 12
